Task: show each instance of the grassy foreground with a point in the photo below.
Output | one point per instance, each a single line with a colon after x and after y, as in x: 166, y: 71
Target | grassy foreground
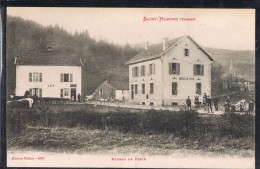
x: 79, y: 140
x: 70, y: 128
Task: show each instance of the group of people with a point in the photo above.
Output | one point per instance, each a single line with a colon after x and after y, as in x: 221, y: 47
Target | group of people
x: 207, y: 102
x: 241, y: 106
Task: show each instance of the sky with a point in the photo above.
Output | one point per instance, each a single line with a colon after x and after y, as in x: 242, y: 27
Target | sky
x: 218, y: 28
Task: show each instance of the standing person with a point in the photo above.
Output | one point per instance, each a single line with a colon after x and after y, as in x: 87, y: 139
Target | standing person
x: 227, y: 107
x: 196, y: 101
x: 209, y: 104
x: 205, y: 101
x: 215, y: 101
x: 188, y: 102
x: 241, y: 106
x: 251, y: 107
x: 79, y: 97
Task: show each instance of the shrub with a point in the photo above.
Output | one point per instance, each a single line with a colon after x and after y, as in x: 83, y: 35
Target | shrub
x: 187, y: 124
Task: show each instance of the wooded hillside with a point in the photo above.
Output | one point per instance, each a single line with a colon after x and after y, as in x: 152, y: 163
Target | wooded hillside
x: 102, y: 60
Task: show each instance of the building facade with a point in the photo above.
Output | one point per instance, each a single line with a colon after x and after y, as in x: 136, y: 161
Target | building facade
x: 167, y: 73
x: 48, y: 78
x: 112, y: 91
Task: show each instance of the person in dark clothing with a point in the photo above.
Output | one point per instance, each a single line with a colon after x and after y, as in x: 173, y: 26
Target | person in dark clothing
x: 205, y: 101
x: 196, y: 101
x: 215, y: 101
x: 79, y: 97
x: 251, y: 107
x: 233, y: 108
x: 188, y: 102
x: 227, y: 107
x: 27, y: 94
x: 241, y: 106
x: 209, y: 104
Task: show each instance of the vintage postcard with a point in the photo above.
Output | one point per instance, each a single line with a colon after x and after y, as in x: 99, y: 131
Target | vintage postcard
x: 130, y: 87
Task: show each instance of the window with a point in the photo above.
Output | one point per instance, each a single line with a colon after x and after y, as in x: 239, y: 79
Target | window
x: 151, y: 88
x: 35, y: 77
x: 174, y: 88
x: 143, y: 103
x: 136, y: 88
x: 36, y: 92
x: 198, y: 70
x: 143, y: 88
x: 198, y: 88
x: 135, y: 71
x: 100, y: 93
x: 66, y: 77
x: 174, y: 68
x: 174, y: 103
x: 186, y: 52
x: 64, y: 92
x: 143, y: 70
x: 152, y: 69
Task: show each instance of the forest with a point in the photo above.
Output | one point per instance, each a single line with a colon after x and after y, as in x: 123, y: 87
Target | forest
x: 102, y: 60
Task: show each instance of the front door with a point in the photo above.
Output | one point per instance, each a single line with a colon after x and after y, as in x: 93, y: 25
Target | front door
x: 73, y: 94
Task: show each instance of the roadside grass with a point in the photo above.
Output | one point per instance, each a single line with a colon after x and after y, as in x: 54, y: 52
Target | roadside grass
x: 73, y: 128
x: 79, y: 140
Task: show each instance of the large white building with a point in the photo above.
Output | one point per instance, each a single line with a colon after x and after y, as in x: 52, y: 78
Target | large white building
x: 55, y: 74
x: 168, y: 72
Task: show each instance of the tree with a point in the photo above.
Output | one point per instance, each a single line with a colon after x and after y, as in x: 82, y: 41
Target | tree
x: 217, y: 72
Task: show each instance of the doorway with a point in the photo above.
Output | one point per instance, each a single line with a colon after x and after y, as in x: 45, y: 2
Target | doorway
x: 73, y: 94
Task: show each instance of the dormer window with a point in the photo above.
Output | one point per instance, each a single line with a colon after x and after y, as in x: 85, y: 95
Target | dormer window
x: 186, y: 52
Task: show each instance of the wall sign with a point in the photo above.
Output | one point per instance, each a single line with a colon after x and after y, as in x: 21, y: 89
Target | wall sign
x: 186, y: 78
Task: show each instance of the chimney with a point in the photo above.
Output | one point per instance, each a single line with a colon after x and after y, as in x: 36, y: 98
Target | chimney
x: 146, y: 45
x: 165, y: 43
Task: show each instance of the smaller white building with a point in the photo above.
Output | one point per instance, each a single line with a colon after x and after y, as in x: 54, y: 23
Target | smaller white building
x: 54, y: 74
x: 112, y: 90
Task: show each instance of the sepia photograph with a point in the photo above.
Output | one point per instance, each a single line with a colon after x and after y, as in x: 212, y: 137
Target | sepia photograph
x: 130, y: 87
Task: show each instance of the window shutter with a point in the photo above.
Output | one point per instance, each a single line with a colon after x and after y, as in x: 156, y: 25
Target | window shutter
x: 170, y: 68
x: 137, y: 75
x: 154, y: 69
x: 178, y: 68
x: 40, y: 77
x: 30, y: 90
x: 172, y: 89
x: 194, y: 70
x: 61, y: 92
x: 202, y: 70
x: 144, y: 71
x: 61, y: 77
x: 133, y: 72
x: 71, y: 78
x: 40, y: 92
x: 30, y: 77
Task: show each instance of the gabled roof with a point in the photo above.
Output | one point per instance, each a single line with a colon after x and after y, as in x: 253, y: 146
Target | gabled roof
x: 156, y: 51
x: 119, y: 85
x: 48, y: 58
